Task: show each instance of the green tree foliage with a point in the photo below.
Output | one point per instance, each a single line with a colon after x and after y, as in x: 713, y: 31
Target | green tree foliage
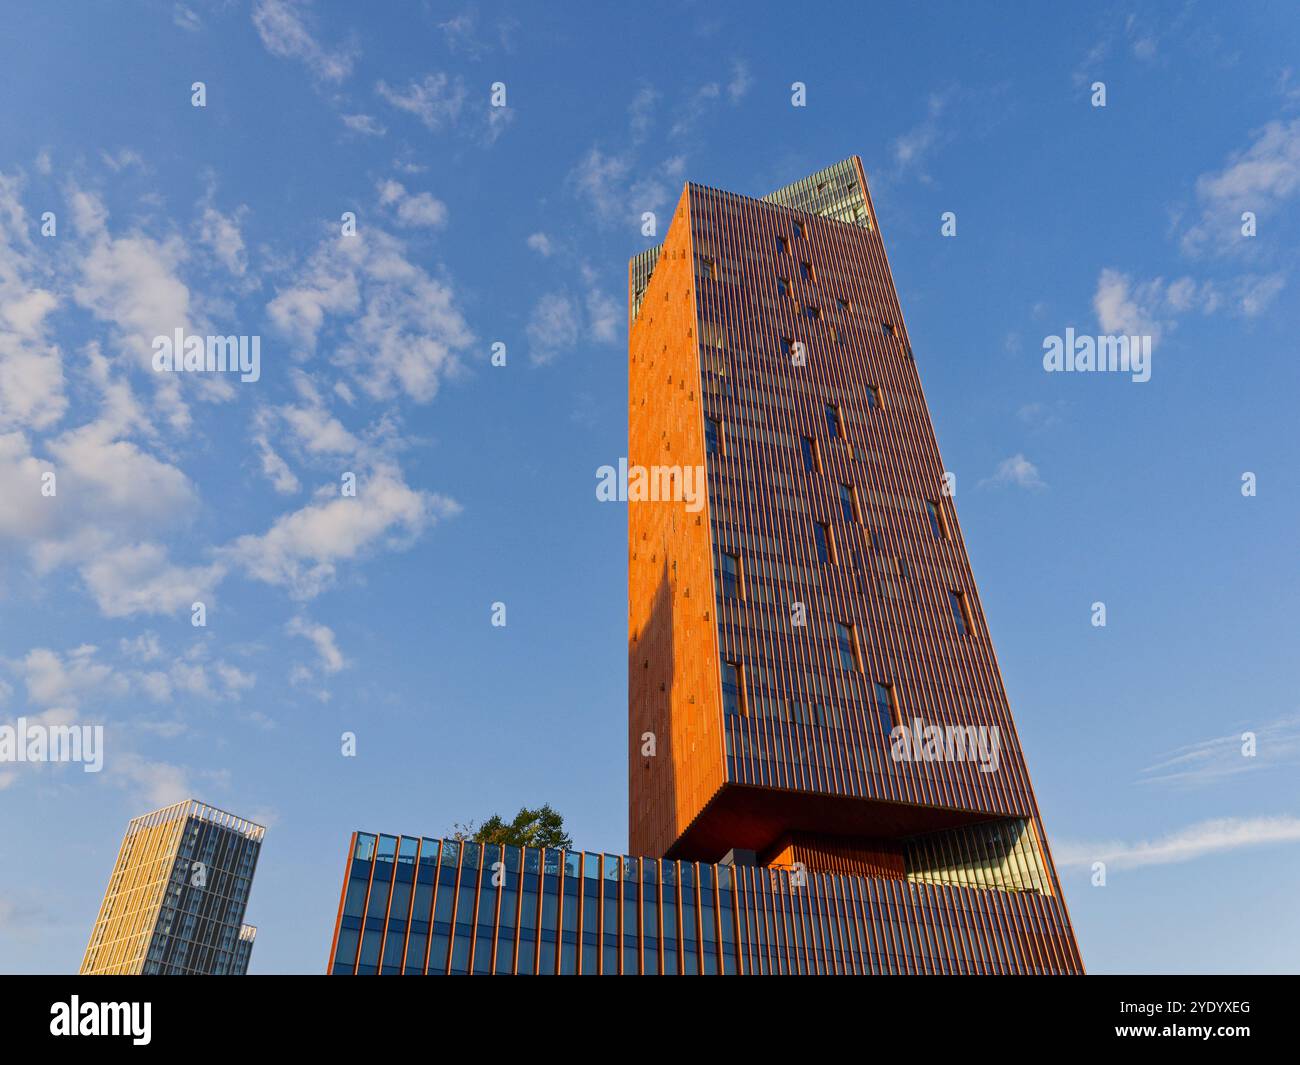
x: 542, y: 827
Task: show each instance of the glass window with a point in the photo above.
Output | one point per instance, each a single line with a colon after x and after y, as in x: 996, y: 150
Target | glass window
x: 884, y: 693
x: 733, y: 689
x: 799, y: 230
x: 783, y: 286
x: 846, y: 639
x: 811, y: 310
x: 825, y: 545
x: 712, y: 436
x: 731, y: 584
x: 849, y: 503
x: 887, y: 329
x: 957, y: 601
x: 873, y: 397
x: 781, y: 244
x: 806, y: 271
x: 833, y: 419
x: 937, y: 525
x: 811, y: 460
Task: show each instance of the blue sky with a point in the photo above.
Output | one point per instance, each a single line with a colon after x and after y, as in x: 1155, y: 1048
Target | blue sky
x: 476, y: 483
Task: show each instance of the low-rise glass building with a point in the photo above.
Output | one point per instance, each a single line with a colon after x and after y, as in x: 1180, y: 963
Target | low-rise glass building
x: 413, y: 906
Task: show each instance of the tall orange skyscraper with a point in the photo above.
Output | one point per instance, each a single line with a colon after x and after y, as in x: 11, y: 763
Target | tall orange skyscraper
x: 812, y: 685
x: 824, y: 774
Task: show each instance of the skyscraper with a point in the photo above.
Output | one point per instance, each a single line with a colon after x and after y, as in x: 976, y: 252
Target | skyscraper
x: 808, y: 659
x: 824, y: 775
x: 177, y: 894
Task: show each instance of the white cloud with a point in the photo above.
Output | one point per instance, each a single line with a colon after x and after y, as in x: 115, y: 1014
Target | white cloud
x: 285, y: 34
x: 55, y: 680
x: 302, y: 549
x: 277, y: 471
x: 139, y: 579
x: 317, y: 431
x: 1260, y: 178
x: 603, y: 316
x: 133, y: 283
x: 144, y: 647
x: 541, y: 244
x: 409, y: 334
x: 618, y: 191
x: 220, y: 233
x: 124, y: 159
x: 1130, y: 309
x: 641, y: 112
x: 552, y: 327
x: 1126, y: 307
x: 1206, y: 837
x: 322, y: 638
x: 367, y: 125
x: 420, y: 209
x: 157, y: 784
x: 186, y: 18
x: 1016, y: 470
x: 461, y: 35
x: 913, y: 148
x: 31, y: 365
x: 740, y: 82
x: 26, y: 512
x: 1276, y: 745
x: 436, y: 100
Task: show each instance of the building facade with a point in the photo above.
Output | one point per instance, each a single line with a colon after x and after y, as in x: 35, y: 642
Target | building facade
x: 824, y: 773
x: 177, y: 894
x: 417, y: 906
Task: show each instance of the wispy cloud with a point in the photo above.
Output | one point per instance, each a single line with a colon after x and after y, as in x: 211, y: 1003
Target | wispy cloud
x: 284, y: 32
x: 1262, y: 178
x: 1276, y: 745
x: 436, y: 100
x: 1215, y: 836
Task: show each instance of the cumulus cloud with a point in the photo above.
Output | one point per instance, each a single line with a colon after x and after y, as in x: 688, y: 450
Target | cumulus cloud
x: 302, y: 549
x: 412, y: 209
x: 31, y: 364
x: 1018, y: 471
x: 1129, y: 307
x: 403, y: 333
x: 66, y: 680
x: 139, y: 578
x: 133, y: 283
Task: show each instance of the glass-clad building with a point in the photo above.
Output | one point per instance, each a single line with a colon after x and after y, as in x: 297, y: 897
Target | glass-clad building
x: 418, y: 906
x: 176, y: 897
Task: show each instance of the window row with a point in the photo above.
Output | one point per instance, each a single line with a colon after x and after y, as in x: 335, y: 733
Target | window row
x: 736, y: 702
